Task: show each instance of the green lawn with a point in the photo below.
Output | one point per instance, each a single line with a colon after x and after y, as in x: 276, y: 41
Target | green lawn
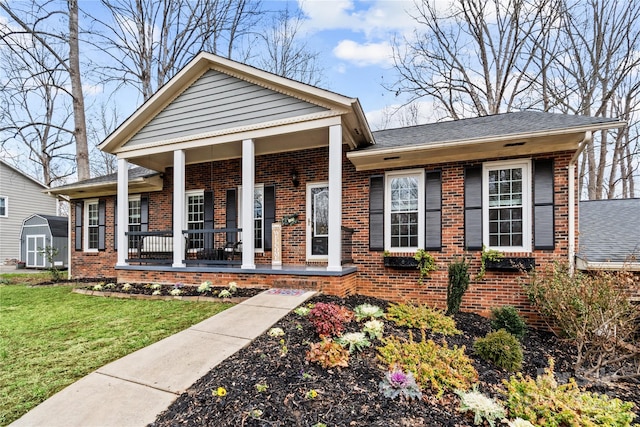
x: 51, y: 337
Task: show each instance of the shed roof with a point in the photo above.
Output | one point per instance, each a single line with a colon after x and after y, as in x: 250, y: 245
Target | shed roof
x: 609, y: 232
x: 59, y: 225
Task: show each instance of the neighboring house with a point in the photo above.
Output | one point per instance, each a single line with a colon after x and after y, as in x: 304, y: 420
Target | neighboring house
x: 274, y: 183
x: 609, y: 236
x: 20, y: 196
x: 44, y: 236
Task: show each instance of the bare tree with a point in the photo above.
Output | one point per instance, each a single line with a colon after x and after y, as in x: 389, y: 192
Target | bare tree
x: 285, y: 50
x: 103, y: 122
x: 599, y: 76
x: 38, y: 21
x: 148, y: 41
x: 474, y: 58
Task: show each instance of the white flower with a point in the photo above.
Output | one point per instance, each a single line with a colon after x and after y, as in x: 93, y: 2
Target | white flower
x: 157, y: 292
x: 275, y: 332
x: 483, y: 407
x: 354, y: 340
x: 233, y: 286
x: 302, y: 311
x: 156, y: 286
x: 175, y: 292
x: 204, y: 286
x: 224, y: 294
x: 365, y: 311
x: 126, y: 287
x: 374, y: 328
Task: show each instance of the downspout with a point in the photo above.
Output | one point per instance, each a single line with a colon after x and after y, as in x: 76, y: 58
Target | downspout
x: 588, y: 136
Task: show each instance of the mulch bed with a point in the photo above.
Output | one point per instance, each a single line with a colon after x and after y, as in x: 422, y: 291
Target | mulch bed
x: 165, y: 290
x: 347, y: 396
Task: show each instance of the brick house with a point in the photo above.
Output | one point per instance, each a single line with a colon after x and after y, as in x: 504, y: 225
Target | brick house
x: 246, y: 176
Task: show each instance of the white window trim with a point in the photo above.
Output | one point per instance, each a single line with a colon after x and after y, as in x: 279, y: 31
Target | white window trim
x: 85, y: 224
x: 186, y: 204
x: 527, y: 183
x: 6, y: 207
x: 132, y: 199
x: 255, y: 187
x: 419, y: 173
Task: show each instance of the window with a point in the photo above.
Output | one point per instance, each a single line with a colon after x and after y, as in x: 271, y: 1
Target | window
x: 92, y: 225
x: 195, y: 218
x: 258, y: 215
x: 4, y: 209
x: 135, y: 220
x: 404, y: 210
x: 507, y: 206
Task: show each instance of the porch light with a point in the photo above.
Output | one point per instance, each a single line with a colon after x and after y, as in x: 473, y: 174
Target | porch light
x: 294, y: 178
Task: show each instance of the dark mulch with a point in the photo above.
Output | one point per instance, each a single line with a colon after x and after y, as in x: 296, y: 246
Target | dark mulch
x: 348, y: 396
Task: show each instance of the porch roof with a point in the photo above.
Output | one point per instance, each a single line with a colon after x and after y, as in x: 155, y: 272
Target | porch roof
x: 214, y: 103
x: 516, y: 133
x: 140, y: 180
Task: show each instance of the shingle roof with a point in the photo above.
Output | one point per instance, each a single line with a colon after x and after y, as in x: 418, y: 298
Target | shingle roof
x: 58, y: 225
x: 137, y: 172
x: 482, y: 127
x: 609, y: 230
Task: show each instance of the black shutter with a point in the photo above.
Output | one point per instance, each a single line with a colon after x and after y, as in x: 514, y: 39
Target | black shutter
x: 232, y: 214
x: 102, y: 224
x: 144, y: 212
x: 543, y: 205
x: 376, y: 213
x: 79, y: 226
x: 433, y: 211
x: 115, y: 223
x: 473, y: 208
x: 208, y: 219
x: 269, y: 214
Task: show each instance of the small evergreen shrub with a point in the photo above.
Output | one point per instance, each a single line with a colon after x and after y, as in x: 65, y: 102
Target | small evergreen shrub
x: 328, y: 354
x: 435, y: 367
x: 458, y: 285
x: 329, y: 319
x: 507, y: 318
x: 501, y: 348
x: 545, y: 403
x: 422, y: 317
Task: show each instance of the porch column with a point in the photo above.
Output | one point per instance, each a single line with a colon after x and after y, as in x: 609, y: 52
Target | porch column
x: 335, y: 198
x: 123, y: 211
x: 248, y: 188
x: 178, y: 207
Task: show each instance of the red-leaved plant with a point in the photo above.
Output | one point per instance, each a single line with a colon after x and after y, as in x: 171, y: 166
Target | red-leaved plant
x: 329, y: 319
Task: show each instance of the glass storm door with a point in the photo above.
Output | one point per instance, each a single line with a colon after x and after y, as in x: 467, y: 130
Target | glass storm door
x: 35, y: 244
x: 317, y: 221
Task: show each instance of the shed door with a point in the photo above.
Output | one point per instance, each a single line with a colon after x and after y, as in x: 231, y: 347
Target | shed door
x: 35, y: 246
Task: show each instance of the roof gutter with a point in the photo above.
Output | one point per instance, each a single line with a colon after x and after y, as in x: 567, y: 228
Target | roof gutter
x: 588, y: 137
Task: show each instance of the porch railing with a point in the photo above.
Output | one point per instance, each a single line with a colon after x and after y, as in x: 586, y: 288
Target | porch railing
x: 347, y: 245
x: 220, y: 246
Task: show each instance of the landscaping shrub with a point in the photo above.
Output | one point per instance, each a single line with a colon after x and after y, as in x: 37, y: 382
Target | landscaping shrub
x: 508, y: 318
x: 329, y: 319
x: 435, y: 367
x: 483, y: 408
x: 328, y: 354
x: 595, y: 312
x: 422, y: 317
x: 501, y: 348
x: 545, y: 403
x: 457, y: 286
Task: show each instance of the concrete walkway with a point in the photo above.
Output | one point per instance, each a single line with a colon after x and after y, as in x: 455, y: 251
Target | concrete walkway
x: 133, y: 390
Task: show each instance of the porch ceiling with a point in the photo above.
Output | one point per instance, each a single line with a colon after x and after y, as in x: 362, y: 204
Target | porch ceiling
x: 224, y: 150
x: 463, y: 150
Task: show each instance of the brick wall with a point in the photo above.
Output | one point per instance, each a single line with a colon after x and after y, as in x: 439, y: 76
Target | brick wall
x: 496, y: 289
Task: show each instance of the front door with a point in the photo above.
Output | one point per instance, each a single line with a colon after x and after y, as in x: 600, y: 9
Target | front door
x: 317, y: 221
x: 35, y: 254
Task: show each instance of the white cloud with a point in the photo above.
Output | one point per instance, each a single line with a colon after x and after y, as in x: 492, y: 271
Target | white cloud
x: 373, y: 18
x: 364, y: 54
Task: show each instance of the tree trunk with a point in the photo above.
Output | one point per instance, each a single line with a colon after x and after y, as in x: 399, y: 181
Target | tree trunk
x: 80, y: 129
